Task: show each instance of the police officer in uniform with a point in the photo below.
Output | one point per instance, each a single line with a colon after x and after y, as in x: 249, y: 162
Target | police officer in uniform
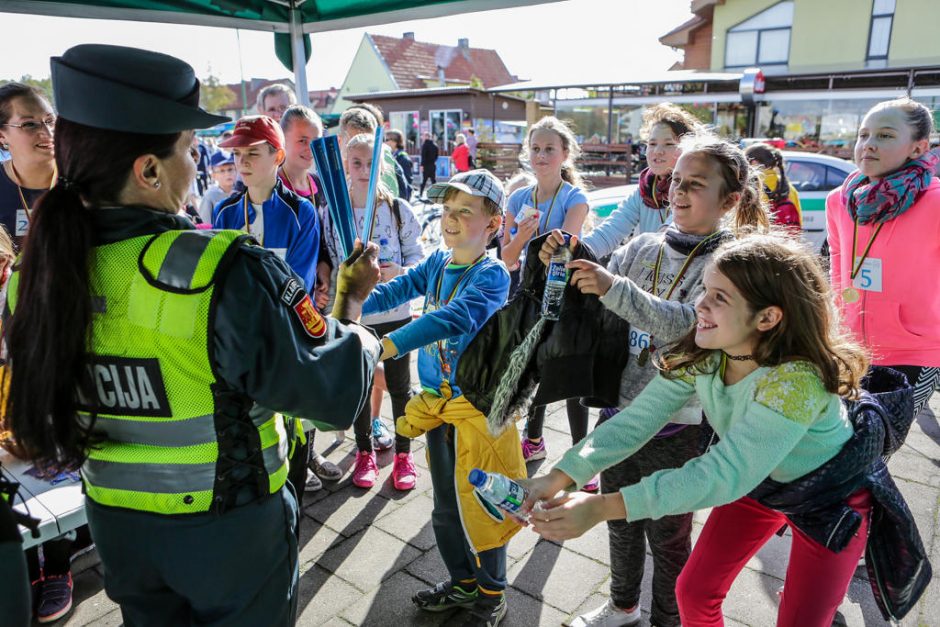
x: 146, y: 352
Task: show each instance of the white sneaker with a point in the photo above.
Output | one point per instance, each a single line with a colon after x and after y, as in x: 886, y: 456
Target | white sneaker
x: 607, y: 615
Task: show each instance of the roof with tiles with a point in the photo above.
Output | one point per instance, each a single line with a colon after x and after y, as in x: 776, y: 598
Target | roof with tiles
x: 413, y: 63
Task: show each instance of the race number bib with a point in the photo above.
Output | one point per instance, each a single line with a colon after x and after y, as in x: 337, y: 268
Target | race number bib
x: 869, y: 275
x: 638, y: 341
x: 22, y: 223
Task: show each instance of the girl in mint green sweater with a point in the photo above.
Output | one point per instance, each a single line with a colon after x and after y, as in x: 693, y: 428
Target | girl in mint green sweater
x: 769, y: 369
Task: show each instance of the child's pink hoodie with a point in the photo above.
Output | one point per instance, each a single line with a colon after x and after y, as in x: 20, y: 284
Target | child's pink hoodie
x: 900, y: 324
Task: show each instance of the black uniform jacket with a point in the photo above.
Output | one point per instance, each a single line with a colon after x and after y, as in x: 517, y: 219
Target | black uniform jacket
x: 261, y: 348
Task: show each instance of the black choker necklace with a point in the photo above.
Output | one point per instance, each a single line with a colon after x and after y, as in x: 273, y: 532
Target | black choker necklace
x: 739, y: 357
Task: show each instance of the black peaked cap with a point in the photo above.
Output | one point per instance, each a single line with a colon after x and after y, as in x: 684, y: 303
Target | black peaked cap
x: 128, y: 89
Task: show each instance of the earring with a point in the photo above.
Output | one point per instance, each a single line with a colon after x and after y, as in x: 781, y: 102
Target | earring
x: 156, y: 185
x: 5, y: 146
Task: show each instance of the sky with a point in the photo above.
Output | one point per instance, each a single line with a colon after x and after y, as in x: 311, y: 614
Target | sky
x: 556, y: 42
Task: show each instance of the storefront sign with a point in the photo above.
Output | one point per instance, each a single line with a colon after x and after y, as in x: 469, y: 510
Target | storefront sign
x: 752, y: 83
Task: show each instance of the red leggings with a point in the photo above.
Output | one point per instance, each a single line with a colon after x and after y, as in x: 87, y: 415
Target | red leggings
x: 816, y: 579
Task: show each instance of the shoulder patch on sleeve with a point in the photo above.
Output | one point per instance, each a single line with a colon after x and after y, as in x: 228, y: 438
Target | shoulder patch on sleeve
x: 309, y: 317
x: 293, y: 295
x: 290, y: 291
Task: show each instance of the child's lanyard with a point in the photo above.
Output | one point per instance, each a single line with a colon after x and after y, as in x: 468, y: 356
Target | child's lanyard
x: 247, y: 225
x: 644, y: 355
x: 662, y: 216
x: 26, y: 207
x: 551, y: 207
x: 850, y: 294
x: 445, y: 366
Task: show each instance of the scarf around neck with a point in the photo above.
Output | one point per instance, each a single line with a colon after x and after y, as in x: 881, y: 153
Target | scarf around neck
x: 685, y: 243
x: 654, y: 190
x: 879, y: 201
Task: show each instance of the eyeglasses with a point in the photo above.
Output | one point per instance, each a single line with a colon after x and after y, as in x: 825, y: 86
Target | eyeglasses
x: 33, y: 127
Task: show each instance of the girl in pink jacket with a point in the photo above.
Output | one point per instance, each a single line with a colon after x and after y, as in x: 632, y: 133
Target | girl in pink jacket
x: 884, y: 238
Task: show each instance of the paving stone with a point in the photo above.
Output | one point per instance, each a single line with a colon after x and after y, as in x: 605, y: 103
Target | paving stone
x: 390, y: 604
x: 322, y: 596
x: 859, y: 607
x: 910, y: 464
x: 368, y: 558
x: 349, y: 511
x: 522, y: 543
x: 548, y: 574
x: 315, y: 540
x: 89, y: 601
x: 429, y: 568
x: 411, y: 522
x: 594, y: 544
x: 753, y: 599
x: 114, y: 618
x: 526, y: 611
x: 923, y: 503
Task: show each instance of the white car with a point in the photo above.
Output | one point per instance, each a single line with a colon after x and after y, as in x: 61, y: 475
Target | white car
x: 813, y: 176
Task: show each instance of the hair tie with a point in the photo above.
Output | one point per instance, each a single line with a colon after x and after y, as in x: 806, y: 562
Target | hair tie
x: 67, y: 184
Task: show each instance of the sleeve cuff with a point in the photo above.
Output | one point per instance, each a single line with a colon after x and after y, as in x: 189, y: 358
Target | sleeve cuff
x: 615, y: 293
x: 636, y: 502
x: 579, y: 469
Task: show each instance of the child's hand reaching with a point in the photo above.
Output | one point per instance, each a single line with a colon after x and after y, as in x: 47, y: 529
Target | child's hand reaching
x: 590, y: 277
x: 554, y: 240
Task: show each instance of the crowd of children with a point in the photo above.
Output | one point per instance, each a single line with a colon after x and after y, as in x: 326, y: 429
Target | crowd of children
x: 741, y: 349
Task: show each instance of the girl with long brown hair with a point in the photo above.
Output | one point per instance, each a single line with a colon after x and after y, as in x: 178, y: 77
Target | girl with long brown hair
x: 770, y: 368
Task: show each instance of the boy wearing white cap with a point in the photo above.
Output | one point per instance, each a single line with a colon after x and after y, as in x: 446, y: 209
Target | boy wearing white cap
x: 462, y: 288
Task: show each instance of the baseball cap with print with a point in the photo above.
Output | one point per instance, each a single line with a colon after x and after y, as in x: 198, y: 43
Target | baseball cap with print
x: 252, y: 130
x: 481, y: 183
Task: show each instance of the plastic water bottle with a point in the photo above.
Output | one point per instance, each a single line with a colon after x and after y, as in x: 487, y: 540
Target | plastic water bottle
x: 385, y: 255
x: 555, y: 283
x: 499, y: 490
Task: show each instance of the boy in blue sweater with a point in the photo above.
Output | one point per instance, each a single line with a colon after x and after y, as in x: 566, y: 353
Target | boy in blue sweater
x: 462, y: 288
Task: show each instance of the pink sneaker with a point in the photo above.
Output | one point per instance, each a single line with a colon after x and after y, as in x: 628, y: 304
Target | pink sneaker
x: 532, y: 452
x: 366, y: 471
x: 404, y: 474
x: 593, y: 485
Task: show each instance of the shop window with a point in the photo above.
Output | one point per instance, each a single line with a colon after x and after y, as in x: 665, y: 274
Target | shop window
x: 879, y: 33
x: 763, y: 39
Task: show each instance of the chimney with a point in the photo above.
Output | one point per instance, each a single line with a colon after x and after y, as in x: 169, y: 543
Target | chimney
x: 463, y: 42
x: 409, y: 36
x: 440, y: 76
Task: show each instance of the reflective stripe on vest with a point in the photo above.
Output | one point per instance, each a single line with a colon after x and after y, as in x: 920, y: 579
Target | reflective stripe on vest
x: 150, y: 377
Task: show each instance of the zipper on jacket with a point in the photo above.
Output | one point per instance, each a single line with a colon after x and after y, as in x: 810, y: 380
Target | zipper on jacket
x: 836, y: 528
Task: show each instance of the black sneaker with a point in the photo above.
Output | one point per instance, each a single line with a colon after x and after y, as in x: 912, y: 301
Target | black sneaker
x: 443, y: 597
x: 486, y: 612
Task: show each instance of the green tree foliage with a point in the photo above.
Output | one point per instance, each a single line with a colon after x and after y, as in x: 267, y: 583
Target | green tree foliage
x: 45, y: 84
x: 213, y: 95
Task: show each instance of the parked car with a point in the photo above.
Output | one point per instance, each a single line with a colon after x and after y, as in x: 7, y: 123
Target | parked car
x: 813, y: 176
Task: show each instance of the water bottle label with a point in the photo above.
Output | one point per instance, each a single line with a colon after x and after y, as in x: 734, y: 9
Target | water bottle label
x: 557, y: 273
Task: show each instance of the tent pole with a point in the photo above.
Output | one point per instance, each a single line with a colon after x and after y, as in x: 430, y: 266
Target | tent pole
x: 297, y: 54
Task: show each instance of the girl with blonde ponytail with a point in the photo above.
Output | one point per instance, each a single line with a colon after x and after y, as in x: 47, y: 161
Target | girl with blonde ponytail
x: 555, y: 201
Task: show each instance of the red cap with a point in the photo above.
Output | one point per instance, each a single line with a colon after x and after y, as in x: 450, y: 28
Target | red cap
x: 252, y: 130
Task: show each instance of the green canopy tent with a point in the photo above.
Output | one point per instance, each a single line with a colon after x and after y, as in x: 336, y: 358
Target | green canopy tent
x: 293, y: 19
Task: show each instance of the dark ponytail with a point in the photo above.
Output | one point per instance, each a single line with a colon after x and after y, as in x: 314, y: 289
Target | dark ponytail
x: 49, y: 333
x: 771, y: 158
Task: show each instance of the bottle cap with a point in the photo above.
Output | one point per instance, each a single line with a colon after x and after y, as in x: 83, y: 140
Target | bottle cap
x: 477, y: 477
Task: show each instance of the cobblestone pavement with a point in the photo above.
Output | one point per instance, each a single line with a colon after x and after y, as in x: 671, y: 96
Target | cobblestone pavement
x: 363, y: 553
